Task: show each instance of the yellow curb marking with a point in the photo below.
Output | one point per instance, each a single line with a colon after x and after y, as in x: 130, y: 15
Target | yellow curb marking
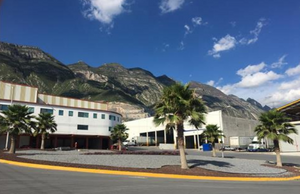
x: 145, y: 174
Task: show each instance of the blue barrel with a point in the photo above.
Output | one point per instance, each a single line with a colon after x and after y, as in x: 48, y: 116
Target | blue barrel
x: 207, y: 147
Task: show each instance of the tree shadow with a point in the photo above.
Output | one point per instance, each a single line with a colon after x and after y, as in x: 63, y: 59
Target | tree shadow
x: 199, y: 163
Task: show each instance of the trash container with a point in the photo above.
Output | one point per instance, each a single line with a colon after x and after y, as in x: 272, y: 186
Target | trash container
x: 207, y: 147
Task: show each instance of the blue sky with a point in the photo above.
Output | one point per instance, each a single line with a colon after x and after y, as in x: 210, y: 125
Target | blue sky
x: 249, y: 48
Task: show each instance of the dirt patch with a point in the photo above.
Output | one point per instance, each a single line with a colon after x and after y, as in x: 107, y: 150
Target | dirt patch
x: 164, y: 170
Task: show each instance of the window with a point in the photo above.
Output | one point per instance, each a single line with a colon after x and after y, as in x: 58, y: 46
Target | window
x: 70, y: 113
x: 82, y: 127
x: 111, y: 117
x: 3, y: 107
x: 83, y: 114
x: 31, y: 109
x: 118, y: 119
x: 109, y: 128
x: 103, y: 116
x: 46, y: 110
x: 61, y: 112
x: 95, y: 115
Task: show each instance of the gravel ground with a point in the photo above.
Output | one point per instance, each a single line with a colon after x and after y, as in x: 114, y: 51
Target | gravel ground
x: 154, y: 161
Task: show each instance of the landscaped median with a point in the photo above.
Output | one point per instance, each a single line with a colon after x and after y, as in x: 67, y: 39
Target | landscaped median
x: 159, y: 166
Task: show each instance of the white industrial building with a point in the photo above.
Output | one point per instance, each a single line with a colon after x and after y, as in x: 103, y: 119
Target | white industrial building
x: 292, y: 110
x: 83, y: 122
x: 144, y: 130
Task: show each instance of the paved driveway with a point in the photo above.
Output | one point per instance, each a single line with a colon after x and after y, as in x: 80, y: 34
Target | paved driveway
x: 16, y: 180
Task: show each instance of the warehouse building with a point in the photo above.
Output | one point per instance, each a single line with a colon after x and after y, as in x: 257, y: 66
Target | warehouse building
x: 292, y: 110
x: 239, y: 132
x: 83, y: 123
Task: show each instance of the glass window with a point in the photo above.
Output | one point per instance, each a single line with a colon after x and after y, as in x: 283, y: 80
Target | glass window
x: 109, y: 128
x: 103, y: 116
x: 82, y: 127
x: 111, y: 117
x: 70, y: 113
x: 61, y: 112
x: 31, y: 109
x: 95, y: 115
x: 3, y: 107
x: 47, y: 110
x: 83, y: 114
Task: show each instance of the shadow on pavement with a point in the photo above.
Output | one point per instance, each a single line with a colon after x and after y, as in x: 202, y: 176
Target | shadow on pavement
x: 198, y: 163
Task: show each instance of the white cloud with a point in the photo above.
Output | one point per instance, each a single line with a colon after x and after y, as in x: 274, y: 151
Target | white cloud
x: 167, y: 6
x: 226, y: 43
x: 260, y: 24
x: 290, y: 84
x: 187, y: 30
x: 197, y: 21
x: 103, y: 11
x: 280, y: 98
x: 258, y: 79
x: 211, y: 83
x: 293, y: 71
x: 279, y: 63
x: 165, y: 47
x: 265, y: 86
x: 181, y: 46
x: 250, y: 69
x: 233, y: 23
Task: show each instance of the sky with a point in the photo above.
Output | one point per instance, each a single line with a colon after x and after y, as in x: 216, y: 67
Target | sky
x: 249, y: 48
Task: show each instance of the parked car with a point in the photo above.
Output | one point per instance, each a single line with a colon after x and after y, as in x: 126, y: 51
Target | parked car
x: 227, y: 148
x: 129, y: 143
x: 115, y: 146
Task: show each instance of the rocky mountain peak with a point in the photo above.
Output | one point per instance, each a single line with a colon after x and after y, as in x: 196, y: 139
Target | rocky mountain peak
x: 25, y: 53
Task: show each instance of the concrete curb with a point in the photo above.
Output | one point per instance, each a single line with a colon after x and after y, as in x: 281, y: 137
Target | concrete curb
x: 145, y: 174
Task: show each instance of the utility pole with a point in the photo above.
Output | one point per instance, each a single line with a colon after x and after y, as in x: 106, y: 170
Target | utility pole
x: 11, y: 102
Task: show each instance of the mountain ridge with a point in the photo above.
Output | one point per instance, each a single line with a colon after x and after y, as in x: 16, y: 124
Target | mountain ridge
x: 131, y: 91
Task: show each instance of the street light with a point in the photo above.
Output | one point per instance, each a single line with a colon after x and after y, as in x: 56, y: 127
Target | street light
x: 11, y: 102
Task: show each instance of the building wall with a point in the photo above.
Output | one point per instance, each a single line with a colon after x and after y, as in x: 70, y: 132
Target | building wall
x: 68, y: 125
x: 295, y: 147
x: 146, y: 125
x: 70, y: 102
x: 237, y: 127
x: 16, y: 92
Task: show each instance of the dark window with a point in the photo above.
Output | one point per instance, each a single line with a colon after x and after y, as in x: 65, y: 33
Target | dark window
x: 61, y: 112
x: 103, y: 116
x: 95, y: 115
x: 46, y: 110
x: 82, y: 127
x: 31, y: 109
x: 111, y: 117
x: 70, y: 113
x: 83, y: 114
x: 3, y: 107
x: 109, y: 128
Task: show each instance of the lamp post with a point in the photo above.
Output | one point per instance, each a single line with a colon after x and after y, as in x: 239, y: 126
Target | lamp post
x: 11, y: 102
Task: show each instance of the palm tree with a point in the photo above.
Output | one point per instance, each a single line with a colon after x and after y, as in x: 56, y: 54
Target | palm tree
x: 16, y: 120
x: 119, y: 133
x: 212, y: 133
x: 276, y: 127
x: 45, y: 125
x: 178, y: 104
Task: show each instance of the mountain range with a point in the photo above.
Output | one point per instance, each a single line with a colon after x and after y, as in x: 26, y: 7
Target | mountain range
x: 130, y: 91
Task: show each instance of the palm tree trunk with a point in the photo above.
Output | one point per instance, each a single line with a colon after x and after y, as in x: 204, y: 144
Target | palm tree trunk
x: 120, y: 144
x: 43, y: 141
x: 12, y: 148
x: 277, y: 151
x: 213, y: 150
x: 181, y: 146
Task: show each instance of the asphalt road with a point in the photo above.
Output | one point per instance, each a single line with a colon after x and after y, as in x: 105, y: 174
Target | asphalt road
x: 291, y: 160
x: 28, y: 181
